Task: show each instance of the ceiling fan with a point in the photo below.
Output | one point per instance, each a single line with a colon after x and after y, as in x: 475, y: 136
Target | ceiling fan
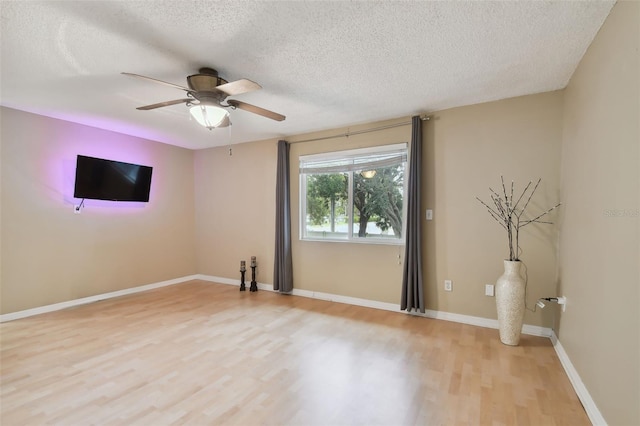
x: 205, y: 96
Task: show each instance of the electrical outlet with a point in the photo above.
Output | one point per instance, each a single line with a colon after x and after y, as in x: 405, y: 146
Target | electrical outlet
x: 488, y: 290
x: 448, y: 285
x: 429, y: 214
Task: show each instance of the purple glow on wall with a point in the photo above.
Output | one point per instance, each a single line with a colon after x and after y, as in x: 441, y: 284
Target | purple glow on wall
x: 67, y: 140
x: 110, y: 125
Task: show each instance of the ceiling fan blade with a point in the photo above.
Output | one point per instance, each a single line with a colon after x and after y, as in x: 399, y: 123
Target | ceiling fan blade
x: 239, y: 86
x: 164, y: 104
x: 256, y: 110
x: 157, y: 81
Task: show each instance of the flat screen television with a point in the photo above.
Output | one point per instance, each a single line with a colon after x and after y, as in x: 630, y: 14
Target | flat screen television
x: 101, y: 179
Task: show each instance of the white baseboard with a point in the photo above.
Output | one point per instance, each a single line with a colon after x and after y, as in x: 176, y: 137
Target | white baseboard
x: 231, y: 281
x: 533, y: 330
x: 446, y: 316
x: 346, y: 299
x: 581, y: 390
x: 90, y: 299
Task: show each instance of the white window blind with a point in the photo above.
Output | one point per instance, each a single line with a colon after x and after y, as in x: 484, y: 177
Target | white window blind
x: 354, y: 160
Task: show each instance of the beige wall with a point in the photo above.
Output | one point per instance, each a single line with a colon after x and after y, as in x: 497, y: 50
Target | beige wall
x: 235, y: 209
x: 466, y: 150
x: 50, y: 254
x: 600, y: 245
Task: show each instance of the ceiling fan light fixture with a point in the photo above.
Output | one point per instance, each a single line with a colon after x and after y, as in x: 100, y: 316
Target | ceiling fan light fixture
x: 209, y: 116
x: 368, y: 174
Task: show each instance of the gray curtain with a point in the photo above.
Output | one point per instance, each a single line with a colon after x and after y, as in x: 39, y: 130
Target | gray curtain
x: 412, y: 291
x: 282, y: 268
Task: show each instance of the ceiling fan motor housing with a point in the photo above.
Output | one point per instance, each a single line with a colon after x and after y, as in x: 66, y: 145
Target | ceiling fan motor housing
x: 210, y: 98
x: 206, y: 81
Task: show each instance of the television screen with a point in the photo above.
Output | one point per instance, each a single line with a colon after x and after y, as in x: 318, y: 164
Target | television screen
x: 101, y: 179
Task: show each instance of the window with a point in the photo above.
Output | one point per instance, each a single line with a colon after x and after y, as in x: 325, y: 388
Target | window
x: 356, y: 195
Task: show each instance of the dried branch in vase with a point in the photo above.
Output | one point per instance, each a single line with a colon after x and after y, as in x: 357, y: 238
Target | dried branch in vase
x: 509, y: 214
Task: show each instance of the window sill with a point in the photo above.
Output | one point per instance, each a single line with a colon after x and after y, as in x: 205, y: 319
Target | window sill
x: 370, y: 241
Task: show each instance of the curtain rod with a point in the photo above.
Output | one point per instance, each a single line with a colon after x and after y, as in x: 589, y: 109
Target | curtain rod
x: 359, y: 132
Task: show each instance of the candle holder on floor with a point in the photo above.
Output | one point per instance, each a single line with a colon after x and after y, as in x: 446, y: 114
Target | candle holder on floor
x: 243, y: 269
x: 254, y: 284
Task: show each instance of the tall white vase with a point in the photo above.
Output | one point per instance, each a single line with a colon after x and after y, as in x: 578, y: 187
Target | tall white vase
x: 510, y: 303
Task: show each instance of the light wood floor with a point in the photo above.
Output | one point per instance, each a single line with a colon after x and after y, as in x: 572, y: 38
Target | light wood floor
x: 204, y: 354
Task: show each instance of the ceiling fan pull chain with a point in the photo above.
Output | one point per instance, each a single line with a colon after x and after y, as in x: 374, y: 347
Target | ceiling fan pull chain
x: 229, y: 139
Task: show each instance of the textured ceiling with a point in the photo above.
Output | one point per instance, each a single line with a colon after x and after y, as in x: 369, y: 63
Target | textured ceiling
x: 322, y: 64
